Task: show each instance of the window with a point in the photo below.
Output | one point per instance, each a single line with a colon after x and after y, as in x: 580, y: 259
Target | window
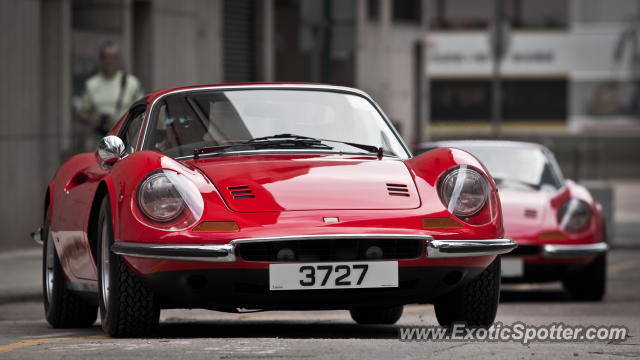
x: 239, y: 41
x: 478, y: 14
x: 373, y: 10
x: 605, y: 98
x: 460, y: 14
x: 132, y: 131
x: 315, y: 41
x: 540, y: 14
x: 407, y: 10
x: 523, y: 99
x: 598, y: 11
x: 230, y: 119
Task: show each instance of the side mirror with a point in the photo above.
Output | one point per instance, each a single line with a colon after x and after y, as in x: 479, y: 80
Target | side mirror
x: 110, y: 148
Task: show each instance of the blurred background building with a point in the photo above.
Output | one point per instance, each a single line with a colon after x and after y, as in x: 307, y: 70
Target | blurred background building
x: 571, y: 71
x: 569, y: 65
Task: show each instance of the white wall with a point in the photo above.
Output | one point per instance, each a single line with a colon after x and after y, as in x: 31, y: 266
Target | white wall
x: 186, y: 42
x: 384, y: 63
x: 182, y: 45
x: 22, y: 138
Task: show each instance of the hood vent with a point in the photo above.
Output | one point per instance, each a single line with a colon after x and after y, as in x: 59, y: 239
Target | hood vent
x: 240, y: 192
x: 398, y: 190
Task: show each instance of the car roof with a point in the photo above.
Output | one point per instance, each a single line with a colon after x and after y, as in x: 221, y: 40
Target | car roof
x: 252, y: 86
x: 492, y: 143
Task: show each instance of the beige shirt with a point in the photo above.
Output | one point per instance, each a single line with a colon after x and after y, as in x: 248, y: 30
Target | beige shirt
x: 101, y: 94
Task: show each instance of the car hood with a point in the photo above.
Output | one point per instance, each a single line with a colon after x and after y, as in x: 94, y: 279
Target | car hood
x: 523, y: 211
x: 286, y: 183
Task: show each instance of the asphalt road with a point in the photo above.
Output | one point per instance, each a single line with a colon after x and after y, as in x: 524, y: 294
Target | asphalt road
x: 200, y: 334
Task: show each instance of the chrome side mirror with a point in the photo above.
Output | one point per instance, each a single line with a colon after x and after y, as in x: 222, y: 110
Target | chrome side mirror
x: 110, y: 148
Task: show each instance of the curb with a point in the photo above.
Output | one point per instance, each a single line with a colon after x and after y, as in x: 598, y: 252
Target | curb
x: 22, y: 275
x: 21, y: 253
x: 22, y: 297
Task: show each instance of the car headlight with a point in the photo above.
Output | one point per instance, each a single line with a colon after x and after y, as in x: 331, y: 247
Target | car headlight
x: 158, y: 198
x: 167, y: 200
x: 464, y: 191
x: 574, y: 215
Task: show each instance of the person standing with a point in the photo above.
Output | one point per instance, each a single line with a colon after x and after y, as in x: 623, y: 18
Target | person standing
x: 108, y: 94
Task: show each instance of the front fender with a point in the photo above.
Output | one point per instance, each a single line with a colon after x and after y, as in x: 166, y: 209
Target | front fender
x: 123, y: 183
x: 428, y: 168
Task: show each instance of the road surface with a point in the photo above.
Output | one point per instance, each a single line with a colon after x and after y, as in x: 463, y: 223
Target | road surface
x: 201, y: 334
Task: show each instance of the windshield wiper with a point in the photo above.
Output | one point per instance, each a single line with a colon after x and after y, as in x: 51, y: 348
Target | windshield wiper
x: 298, y: 142
x: 288, y: 139
x: 379, y: 151
x: 209, y: 149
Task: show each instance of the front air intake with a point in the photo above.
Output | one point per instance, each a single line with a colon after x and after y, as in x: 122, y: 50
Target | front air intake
x: 241, y: 192
x: 332, y: 249
x: 398, y: 190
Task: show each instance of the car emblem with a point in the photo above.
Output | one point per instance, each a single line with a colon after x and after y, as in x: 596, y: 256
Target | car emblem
x: 331, y: 220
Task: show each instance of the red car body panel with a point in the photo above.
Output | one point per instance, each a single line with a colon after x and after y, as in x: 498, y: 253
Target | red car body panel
x: 287, y: 202
x: 70, y: 215
x: 283, y: 183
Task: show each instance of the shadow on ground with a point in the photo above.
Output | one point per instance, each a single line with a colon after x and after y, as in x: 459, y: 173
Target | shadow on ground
x: 512, y: 296
x: 274, y: 329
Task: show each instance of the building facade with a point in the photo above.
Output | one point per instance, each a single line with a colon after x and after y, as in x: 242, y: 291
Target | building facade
x: 50, y: 47
x: 570, y: 65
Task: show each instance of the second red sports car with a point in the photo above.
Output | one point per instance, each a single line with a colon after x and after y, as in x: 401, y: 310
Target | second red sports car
x: 557, y: 224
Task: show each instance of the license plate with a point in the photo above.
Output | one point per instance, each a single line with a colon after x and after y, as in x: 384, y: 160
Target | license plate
x: 339, y: 275
x: 512, y: 267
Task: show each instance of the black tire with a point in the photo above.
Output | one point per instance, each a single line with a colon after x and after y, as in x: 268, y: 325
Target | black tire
x: 475, y: 303
x: 131, y: 309
x: 377, y: 315
x: 62, y: 307
x: 590, y: 282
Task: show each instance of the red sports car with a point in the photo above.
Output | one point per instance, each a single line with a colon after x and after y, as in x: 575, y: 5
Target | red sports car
x: 267, y: 196
x: 557, y: 224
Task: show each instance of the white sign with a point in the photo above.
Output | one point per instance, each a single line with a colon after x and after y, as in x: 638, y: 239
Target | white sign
x: 582, y: 54
x: 468, y: 54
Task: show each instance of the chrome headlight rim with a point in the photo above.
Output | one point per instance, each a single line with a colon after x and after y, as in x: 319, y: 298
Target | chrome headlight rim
x: 571, y: 208
x: 454, y: 174
x: 155, y: 175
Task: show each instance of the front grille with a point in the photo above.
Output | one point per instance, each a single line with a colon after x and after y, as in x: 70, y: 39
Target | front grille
x: 332, y: 250
x: 524, y: 250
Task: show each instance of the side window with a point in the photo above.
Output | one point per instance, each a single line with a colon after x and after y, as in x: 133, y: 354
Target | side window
x: 132, y: 131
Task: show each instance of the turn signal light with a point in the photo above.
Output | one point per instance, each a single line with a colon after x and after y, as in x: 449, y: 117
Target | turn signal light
x: 217, y: 226
x: 440, y: 223
x: 552, y: 235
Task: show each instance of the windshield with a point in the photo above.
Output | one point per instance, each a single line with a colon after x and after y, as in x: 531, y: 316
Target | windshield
x: 518, y: 167
x: 227, y: 121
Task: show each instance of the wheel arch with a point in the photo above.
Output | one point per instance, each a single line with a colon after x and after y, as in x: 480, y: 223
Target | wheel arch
x: 102, y: 191
x: 47, y: 204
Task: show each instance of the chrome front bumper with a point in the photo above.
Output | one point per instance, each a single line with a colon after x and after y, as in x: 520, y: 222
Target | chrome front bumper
x: 466, y: 248
x: 209, y: 253
x: 226, y: 252
x: 565, y: 250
